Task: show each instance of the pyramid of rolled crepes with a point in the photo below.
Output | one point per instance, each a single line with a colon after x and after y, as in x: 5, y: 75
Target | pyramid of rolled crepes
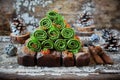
x: 53, y: 44
x: 54, y: 33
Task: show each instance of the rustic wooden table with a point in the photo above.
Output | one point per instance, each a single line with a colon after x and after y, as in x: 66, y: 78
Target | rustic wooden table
x: 9, y: 69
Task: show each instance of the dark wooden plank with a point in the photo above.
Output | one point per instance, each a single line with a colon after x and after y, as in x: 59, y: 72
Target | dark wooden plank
x: 91, y: 76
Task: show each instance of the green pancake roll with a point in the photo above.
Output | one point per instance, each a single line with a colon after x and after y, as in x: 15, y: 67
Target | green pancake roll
x: 53, y: 33
x: 60, y: 26
x: 67, y: 33
x: 47, y: 44
x: 73, y: 45
x: 60, y: 19
x: 60, y: 22
x: 45, y: 23
x: 34, y: 45
x: 40, y: 35
x: 60, y: 45
x: 52, y: 15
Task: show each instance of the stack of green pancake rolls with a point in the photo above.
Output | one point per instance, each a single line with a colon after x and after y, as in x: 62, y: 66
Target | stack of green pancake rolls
x: 53, y: 34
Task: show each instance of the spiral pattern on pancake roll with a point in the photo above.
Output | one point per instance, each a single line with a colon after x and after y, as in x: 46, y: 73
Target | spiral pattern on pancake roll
x: 40, y: 35
x: 34, y: 45
x: 73, y: 45
x: 47, y: 44
x: 45, y: 23
x: 67, y: 33
x: 60, y: 45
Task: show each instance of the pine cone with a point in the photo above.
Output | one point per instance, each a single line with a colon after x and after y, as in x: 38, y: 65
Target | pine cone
x: 18, y: 26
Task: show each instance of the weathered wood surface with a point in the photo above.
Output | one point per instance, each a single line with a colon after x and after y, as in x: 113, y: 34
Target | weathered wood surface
x: 62, y: 77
